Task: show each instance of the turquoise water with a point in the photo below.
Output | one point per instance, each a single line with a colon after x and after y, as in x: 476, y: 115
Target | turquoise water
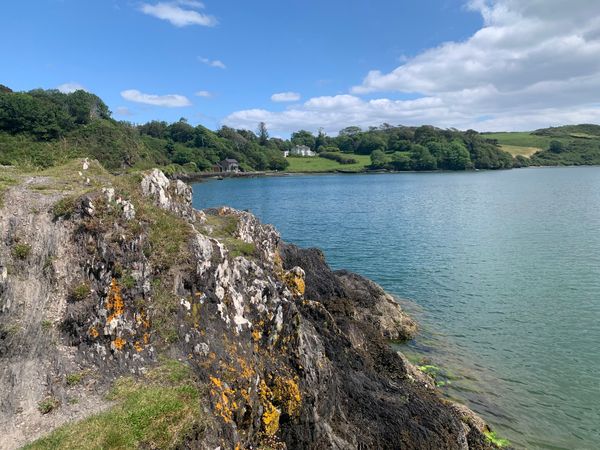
x: 502, y: 270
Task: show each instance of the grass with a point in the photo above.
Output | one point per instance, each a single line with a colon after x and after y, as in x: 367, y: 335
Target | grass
x: 158, y: 411
x: 79, y: 292
x: 316, y: 164
x: 48, y: 405
x: 21, y: 251
x: 74, y: 378
x: 224, y: 228
x: 520, y: 139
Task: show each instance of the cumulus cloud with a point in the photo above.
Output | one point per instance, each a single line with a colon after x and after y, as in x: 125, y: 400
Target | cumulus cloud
x: 205, y: 94
x: 285, y: 97
x: 68, y: 88
x: 534, y: 63
x: 181, y: 13
x: 168, y: 101
x: 212, y: 62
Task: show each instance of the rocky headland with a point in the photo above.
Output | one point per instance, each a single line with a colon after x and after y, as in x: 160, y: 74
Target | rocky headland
x: 112, y: 287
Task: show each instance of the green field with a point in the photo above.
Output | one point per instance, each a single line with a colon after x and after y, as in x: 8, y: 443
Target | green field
x: 315, y: 164
x: 520, y: 139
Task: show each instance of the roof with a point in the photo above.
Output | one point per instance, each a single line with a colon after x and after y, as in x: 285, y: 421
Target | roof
x: 230, y: 161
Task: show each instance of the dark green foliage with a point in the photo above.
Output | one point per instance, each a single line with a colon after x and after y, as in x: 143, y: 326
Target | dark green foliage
x: 303, y: 137
x: 339, y: 157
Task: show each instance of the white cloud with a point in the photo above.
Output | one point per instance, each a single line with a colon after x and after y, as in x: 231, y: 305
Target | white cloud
x: 212, y: 62
x: 534, y: 63
x: 123, y: 111
x: 285, y: 97
x: 205, y: 94
x: 168, y: 101
x: 68, y: 88
x: 180, y: 13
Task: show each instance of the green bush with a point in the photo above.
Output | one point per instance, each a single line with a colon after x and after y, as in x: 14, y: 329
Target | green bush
x: 64, y: 208
x: 339, y: 157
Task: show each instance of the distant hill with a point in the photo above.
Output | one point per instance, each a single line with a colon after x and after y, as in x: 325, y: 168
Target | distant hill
x: 564, y: 145
x: 43, y: 128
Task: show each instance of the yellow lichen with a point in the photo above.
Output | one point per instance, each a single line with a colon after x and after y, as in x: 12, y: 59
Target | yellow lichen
x: 270, y: 419
x: 146, y: 338
x: 93, y: 332
x: 287, y: 394
x: 138, y: 346
x: 295, y: 283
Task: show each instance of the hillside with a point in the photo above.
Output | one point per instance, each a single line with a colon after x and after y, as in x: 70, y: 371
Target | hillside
x: 131, y: 320
x: 566, y: 145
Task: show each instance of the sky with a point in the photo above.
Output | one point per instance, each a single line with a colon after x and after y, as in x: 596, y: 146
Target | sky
x: 488, y: 65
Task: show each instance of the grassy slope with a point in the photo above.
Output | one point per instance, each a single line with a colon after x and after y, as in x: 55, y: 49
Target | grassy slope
x: 316, y: 164
x: 156, y: 412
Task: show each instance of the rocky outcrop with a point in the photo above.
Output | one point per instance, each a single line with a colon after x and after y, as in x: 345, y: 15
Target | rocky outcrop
x: 290, y: 353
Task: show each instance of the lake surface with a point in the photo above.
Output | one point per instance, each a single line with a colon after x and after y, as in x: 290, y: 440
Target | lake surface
x: 502, y: 270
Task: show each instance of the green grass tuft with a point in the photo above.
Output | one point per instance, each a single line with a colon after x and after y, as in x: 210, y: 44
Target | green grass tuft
x: 159, y: 411
x: 21, y: 251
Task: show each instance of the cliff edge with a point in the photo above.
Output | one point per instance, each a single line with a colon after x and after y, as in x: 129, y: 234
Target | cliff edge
x: 115, y: 292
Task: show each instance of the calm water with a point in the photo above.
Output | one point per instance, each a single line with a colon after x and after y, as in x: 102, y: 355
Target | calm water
x: 503, y: 269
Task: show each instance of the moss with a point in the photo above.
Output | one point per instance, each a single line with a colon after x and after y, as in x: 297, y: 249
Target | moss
x: 492, y: 437
x: 48, y: 405
x: 21, y: 250
x: 153, y: 412
x: 46, y: 324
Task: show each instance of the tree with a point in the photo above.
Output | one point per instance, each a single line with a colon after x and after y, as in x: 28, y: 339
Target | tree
x: 556, y: 147
x: 379, y: 159
x: 369, y: 142
x: 455, y: 156
x: 304, y: 137
x: 181, y: 131
x: 422, y: 159
x: 263, y: 134
x: 350, y: 131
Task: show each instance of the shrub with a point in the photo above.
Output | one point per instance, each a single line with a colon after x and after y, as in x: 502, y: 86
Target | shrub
x: 64, y: 208
x: 339, y: 157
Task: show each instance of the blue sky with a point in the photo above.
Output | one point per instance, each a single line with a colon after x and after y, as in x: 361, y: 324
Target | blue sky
x: 335, y: 63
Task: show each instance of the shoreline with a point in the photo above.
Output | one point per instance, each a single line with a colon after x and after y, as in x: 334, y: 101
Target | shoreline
x: 204, y: 176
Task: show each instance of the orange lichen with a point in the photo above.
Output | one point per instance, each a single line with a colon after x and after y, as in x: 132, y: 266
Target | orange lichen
x: 142, y: 320
x: 93, y: 332
x: 114, y: 301
x: 225, y: 404
x: 119, y: 343
x: 256, y: 335
x: 146, y: 338
x: 218, y: 383
x: 138, y: 346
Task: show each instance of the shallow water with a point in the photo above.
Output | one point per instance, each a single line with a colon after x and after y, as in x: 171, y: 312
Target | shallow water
x: 503, y: 269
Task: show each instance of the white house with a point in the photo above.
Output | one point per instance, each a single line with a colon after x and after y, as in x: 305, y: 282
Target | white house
x: 302, y: 150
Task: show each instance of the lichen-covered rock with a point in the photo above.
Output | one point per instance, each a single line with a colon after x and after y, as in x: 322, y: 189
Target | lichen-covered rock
x: 171, y: 196
x: 290, y: 353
